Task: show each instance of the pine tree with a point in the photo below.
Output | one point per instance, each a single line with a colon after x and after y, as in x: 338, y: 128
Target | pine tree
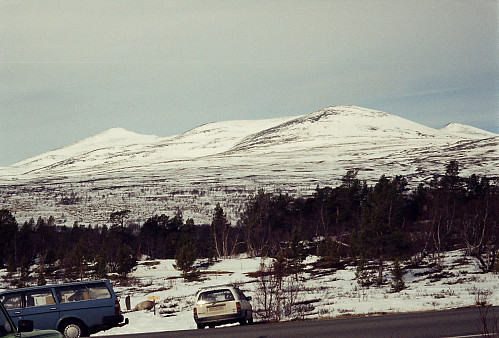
x: 41, y: 277
x: 328, y: 251
x: 80, y: 256
x: 381, y: 236
x: 362, y: 273
x: 101, y: 266
x: 398, y: 277
x: 117, y: 218
x: 125, y: 260
x: 295, y: 252
x: 184, y: 261
x: 25, y: 265
x: 8, y: 230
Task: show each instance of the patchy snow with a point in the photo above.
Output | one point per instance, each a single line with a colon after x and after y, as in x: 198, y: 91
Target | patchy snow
x: 332, y: 293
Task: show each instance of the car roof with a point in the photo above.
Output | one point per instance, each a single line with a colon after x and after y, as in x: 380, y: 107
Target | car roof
x: 38, y: 287
x: 215, y: 287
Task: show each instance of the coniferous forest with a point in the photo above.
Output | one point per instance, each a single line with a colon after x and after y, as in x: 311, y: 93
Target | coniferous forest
x: 350, y: 222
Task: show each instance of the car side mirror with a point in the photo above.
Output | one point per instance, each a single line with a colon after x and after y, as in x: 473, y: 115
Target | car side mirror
x: 25, y: 326
x: 248, y: 298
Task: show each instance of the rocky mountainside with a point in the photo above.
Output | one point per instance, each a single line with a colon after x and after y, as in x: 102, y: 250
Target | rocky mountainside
x: 225, y: 162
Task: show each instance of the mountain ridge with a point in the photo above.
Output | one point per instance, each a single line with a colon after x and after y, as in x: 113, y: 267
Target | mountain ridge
x: 225, y: 162
x: 246, y: 134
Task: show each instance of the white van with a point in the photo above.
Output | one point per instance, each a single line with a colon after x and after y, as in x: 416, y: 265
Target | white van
x: 222, y: 304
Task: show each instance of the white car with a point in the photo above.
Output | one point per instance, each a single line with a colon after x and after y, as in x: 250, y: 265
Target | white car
x: 222, y: 304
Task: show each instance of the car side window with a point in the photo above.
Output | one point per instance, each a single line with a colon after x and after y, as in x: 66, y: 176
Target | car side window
x: 12, y: 301
x: 72, y: 294
x: 39, y: 298
x: 99, y: 291
x: 78, y: 293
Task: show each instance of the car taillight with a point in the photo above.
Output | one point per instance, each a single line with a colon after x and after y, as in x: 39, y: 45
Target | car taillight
x: 117, y: 309
x: 195, y: 311
x: 238, y: 306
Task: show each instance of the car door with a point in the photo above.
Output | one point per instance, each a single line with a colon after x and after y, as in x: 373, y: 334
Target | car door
x: 13, y: 303
x: 41, y: 308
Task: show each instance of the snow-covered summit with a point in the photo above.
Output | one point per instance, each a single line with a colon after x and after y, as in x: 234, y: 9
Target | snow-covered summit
x: 121, y: 134
x: 113, y: 140
x: 336, y: 125
x: 466, y: 131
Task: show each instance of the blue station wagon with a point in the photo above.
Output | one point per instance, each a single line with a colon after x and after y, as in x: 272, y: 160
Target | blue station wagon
x: 74, y: 309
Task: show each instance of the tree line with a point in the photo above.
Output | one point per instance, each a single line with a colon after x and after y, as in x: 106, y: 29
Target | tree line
x: 385, y: 221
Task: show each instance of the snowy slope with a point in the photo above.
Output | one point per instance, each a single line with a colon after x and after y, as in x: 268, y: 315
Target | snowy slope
x: 462, y: 130
x: 105, y: 144
x: 336, y: 125
x: 119, y: 147
x: 224, y: 162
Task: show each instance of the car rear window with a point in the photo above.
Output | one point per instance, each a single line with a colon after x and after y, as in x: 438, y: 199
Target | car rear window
x: 82, y: 292
x: 215, y: 296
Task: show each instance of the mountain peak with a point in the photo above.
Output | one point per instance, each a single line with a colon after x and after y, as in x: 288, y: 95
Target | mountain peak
x: 121, y: 133
x: 115, y: 131
x: 466, y: 131
x: 342, y: 112
x: 335, y: 125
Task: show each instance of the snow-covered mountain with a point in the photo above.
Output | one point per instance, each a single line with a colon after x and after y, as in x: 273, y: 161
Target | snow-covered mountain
x: 226, y: 161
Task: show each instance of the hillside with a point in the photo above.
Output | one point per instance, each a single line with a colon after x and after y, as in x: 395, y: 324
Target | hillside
x: 224, y: 162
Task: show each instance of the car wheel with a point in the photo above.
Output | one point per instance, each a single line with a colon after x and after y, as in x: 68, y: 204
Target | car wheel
x: 200, y: 326
x: 73, y: 329
x: 211, y: 326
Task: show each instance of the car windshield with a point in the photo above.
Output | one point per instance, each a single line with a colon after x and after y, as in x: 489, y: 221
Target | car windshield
x: 5, y: 324
x: 215, y: 296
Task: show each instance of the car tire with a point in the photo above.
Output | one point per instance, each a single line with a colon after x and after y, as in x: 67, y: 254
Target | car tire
x: 200, y: 326
x: 73, y: 329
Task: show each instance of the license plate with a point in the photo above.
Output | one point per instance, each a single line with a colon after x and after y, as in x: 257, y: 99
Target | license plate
x: 216, y: 308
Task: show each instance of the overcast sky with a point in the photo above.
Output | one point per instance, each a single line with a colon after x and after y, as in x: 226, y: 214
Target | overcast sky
x: 71, y: 69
